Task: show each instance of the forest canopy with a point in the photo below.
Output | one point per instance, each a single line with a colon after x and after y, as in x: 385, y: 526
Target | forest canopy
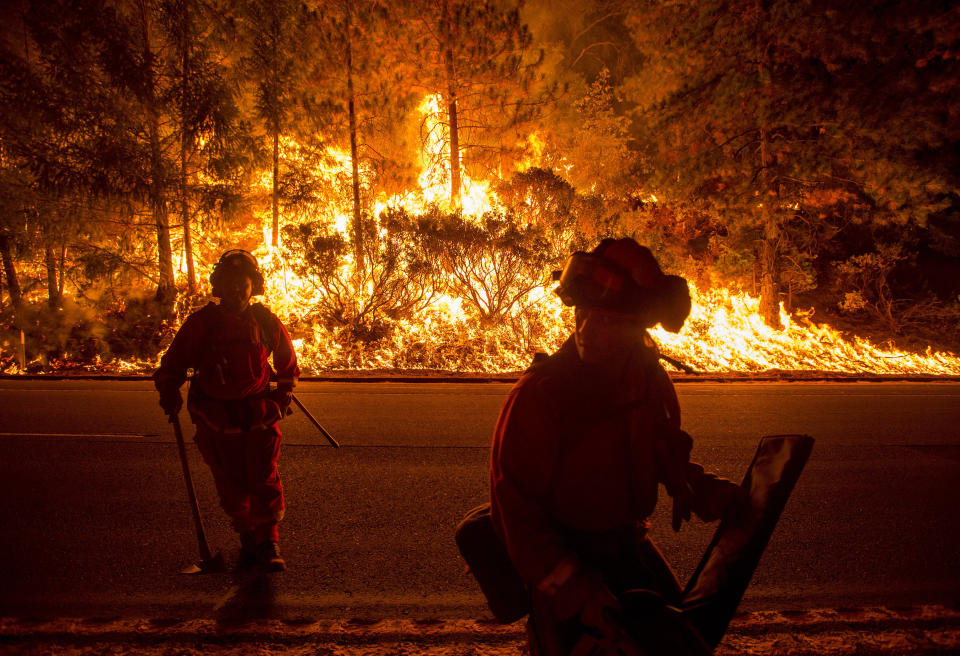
x: 411, y: 173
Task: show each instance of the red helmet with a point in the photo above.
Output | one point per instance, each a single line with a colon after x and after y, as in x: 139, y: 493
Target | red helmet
x: 623, y: 276
x: 237, y: 260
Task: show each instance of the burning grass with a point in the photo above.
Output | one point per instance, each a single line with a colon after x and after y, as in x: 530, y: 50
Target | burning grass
x: 724, y: 334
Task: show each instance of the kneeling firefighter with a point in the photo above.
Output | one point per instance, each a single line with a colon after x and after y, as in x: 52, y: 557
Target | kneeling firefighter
x: 228, y: 345
x: 583, y: 441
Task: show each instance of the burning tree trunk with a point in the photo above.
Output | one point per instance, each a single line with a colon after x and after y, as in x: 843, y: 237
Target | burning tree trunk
x: 186, y: 145
x: 166, y: 290
x: 13, y: 287
x: 451, y: 70
x: 770, y: 278
x: 274, y: 192
x: 454, y: 135
x: 63, y: 261
x: 355, y: 164
x: 768, y: 252
x: 10, y: 269
x: 53, y: 289
x: 769, y: 197
x: 454, y: 151
x: 185, y: 217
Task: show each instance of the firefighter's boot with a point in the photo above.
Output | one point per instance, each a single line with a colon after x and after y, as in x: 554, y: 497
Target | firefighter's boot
x: 268, y: 557
x: 248, y: 550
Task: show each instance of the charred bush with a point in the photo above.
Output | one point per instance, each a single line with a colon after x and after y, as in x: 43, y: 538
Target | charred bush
x: 492, y: 262
x: 396, y: 278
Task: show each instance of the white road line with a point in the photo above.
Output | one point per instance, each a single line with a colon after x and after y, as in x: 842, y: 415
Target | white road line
x: 26, y: 434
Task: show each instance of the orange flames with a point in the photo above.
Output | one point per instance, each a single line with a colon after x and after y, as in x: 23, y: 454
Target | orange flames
x: 723, y: 334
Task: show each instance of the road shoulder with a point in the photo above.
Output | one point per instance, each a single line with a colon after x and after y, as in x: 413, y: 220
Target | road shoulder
x: 919, y: 630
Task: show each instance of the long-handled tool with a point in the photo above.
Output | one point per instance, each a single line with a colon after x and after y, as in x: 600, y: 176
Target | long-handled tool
x: 209, y: 563
x: 316, y: 423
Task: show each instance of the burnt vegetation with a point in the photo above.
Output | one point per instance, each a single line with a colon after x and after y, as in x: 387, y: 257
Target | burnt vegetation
x: 804, y: 151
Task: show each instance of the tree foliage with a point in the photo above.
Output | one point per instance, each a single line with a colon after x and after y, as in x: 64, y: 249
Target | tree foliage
x: 806, y: 150
x: 478, y: 57
x: 794, y: 120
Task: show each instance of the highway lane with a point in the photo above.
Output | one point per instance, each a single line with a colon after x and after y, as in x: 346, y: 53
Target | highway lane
x: 93, y: 518
x: 382, y: 414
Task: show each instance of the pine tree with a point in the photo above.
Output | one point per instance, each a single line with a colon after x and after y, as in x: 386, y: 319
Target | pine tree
x: 273, y: 33
x: 703, y: 97
x: 477, y: 57
x: 42, y: 146
x: 200, y: 101
x: 166, y: 92
x: 793, y: 120
x: 360, y: 95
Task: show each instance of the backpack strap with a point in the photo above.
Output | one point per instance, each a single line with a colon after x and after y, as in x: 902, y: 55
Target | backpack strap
x: 269, y: 330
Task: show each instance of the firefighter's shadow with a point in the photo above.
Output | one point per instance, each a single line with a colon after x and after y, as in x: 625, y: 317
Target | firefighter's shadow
x: 251, y: 597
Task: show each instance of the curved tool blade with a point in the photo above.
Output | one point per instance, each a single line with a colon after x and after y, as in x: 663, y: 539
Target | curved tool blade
x: 212, y: 565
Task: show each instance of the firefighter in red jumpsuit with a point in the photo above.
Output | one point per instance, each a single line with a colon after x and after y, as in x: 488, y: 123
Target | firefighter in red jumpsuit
x: 583, y: 441
x: 228, y: 346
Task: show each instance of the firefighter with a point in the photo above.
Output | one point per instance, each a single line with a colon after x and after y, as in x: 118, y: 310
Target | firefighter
x: 583, y: 441
x: 228, y: 346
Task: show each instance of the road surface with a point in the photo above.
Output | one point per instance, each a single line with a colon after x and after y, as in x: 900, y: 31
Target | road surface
x: 94, y: 520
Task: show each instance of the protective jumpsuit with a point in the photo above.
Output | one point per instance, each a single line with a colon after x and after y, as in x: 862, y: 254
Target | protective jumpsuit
x: 234, y: 412
x: 575, y: 465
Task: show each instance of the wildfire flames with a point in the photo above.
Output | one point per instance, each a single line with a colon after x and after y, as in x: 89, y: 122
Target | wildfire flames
x: 725, y: 332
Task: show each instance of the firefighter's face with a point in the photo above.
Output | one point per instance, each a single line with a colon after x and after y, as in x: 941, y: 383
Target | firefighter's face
x: 605, y: 339
x: 236, y: 291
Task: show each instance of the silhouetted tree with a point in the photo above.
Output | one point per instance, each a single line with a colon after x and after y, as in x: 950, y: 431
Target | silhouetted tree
x: 272, y: 34
x: 791, y: 120
x: 361, y: 94
x: 477, y: 57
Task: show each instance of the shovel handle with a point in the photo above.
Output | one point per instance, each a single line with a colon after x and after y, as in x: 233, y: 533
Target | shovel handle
x: 316, y: 423
x: 191, y: 493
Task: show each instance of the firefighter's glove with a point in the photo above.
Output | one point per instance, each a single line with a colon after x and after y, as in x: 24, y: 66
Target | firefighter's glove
x: 171, y: 401
x: 282, y: 398
x: 601, y: 613
x: 714, y: 497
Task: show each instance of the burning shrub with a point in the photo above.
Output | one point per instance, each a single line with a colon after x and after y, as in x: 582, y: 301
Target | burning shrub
x: 540, y: 196
x: 493, y: 263
x: 433, y: 290
x: 865, y: 280
x: 396, y: 278
x: 570, y: 218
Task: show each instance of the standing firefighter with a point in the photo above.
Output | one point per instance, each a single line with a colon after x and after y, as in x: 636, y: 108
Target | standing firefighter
x: 228, y: 345
x: 583, y: 441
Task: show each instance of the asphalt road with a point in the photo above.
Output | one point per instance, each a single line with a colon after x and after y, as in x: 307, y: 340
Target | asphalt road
x: 94, y: 519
